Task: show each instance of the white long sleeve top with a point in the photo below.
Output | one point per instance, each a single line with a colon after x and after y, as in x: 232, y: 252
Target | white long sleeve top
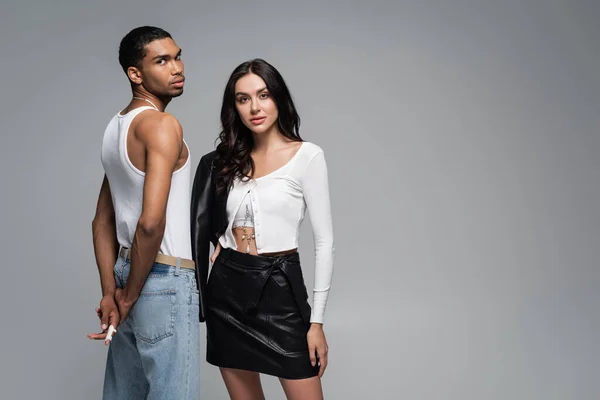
x: 279, y: 202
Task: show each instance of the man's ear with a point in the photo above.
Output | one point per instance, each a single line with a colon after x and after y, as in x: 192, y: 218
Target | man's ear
x: 135, y: 75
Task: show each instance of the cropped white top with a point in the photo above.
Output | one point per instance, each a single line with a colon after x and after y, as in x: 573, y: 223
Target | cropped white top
x: 279, y: 201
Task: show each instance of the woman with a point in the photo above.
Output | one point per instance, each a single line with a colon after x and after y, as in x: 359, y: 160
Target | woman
x: 249, y: 199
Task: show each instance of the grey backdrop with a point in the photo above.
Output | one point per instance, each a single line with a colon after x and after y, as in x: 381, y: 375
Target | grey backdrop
x: 462, y: 141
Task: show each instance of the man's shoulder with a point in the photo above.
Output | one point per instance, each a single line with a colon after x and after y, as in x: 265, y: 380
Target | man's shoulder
x: 156, y: 126
x: 152, y: 119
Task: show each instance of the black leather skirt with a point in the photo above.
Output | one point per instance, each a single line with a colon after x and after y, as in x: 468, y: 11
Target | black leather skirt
x: 257, y: 315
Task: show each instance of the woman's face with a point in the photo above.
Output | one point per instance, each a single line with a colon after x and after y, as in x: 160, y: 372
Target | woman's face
x: 254, y: 104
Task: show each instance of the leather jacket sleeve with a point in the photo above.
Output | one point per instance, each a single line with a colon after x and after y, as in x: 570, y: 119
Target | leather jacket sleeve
x: 202, y: 203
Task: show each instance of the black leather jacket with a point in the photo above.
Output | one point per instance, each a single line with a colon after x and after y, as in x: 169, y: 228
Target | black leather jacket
x: 208, y: 219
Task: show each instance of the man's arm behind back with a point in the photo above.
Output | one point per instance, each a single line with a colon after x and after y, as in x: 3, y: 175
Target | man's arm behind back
x: 162, y: 138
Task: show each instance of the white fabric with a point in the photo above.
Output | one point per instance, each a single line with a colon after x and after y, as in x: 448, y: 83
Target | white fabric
x: 127, y: 188
x: 279, y: 201
x: 244, y: 216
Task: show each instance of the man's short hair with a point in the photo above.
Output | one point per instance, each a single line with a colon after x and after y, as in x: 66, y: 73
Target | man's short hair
x: 132, y: 49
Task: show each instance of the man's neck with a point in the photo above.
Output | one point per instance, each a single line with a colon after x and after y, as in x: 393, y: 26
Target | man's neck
x: 158, y: 102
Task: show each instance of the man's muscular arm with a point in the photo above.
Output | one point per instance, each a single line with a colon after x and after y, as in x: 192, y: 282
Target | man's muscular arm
x: 162, y: 137
x: 104, y: 234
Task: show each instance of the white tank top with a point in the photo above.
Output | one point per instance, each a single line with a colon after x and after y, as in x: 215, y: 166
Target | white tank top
x: 127, y: 186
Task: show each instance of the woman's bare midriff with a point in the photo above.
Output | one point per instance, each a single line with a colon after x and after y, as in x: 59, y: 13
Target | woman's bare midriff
x: 244, y: 237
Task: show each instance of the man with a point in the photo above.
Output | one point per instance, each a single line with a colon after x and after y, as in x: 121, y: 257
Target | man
x: 141, y: 233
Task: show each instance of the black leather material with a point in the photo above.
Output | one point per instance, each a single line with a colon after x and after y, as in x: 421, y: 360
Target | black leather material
x: 257, y: 315
x: 208, y: 220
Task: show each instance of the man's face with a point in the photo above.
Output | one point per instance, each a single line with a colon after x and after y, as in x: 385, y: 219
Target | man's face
x: 162, y: 68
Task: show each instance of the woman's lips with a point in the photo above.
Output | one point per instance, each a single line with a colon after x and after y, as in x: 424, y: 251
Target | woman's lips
x: 258, y: 121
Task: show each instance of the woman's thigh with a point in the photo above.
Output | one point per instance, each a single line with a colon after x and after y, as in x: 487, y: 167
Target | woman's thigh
x: 242, y: 385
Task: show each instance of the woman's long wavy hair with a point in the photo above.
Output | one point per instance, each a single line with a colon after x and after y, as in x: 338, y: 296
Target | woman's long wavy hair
x: 236, y: 141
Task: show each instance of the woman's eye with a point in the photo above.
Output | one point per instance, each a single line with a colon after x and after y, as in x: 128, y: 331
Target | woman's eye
x: 264, y: 95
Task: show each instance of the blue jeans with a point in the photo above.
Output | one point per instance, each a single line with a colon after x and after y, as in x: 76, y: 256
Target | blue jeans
x: 155, y: 353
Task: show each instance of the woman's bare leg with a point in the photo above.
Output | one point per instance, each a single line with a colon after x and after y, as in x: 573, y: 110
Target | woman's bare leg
x: 302, y: 389
x: 242, y: 385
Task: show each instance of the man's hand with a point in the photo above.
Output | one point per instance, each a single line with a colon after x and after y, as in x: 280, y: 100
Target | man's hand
x: 317, y: 345
x: 108, y: 313
x: 123, y: 303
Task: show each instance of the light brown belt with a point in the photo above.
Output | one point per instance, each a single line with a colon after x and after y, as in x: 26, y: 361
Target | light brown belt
x: 162, y: 259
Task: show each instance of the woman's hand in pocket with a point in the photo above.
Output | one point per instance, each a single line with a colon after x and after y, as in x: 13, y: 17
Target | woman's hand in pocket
x: 215, y: 253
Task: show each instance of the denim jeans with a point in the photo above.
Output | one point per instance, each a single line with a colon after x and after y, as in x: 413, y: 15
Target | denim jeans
x: 155, y: 353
